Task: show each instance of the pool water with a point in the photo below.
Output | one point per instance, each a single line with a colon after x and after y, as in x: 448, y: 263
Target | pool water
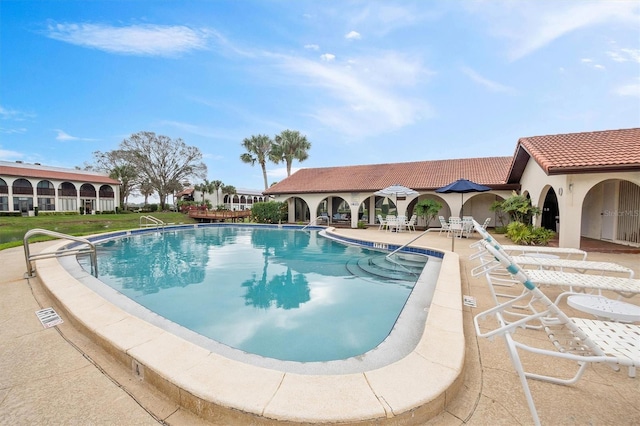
x: 279, y: 293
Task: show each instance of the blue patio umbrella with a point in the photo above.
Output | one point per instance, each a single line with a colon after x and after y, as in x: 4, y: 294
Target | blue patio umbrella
x: 462, y: 186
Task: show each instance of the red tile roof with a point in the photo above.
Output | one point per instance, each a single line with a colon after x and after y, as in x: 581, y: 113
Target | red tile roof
x: 587, y: 152
x: 419, y: 175
x: 43, y: 172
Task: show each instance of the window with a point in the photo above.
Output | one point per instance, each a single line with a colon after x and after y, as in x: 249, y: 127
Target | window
x: 46, y: 204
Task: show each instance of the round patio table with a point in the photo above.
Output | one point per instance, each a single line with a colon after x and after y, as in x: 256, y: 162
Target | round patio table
x: 603, y: 307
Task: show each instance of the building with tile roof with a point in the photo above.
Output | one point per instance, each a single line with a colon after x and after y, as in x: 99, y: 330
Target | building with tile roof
x: 27, y: 187
x: 587, y: 185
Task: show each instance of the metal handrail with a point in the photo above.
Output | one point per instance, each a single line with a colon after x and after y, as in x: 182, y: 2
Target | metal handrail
x: 150, y: 221
x: 89, y: 249
x: 315, y: 221
x: 406, y: 244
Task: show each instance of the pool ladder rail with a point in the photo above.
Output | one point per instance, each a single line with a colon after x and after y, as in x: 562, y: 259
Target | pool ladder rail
x: 315, y: 221
x: 152, y: 222
x: 82, y: 247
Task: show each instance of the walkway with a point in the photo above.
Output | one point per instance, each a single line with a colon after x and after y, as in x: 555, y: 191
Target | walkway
x: 56, y: 376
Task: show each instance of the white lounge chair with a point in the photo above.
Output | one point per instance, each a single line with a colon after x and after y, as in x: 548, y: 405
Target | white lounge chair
x: 582, y: 340
x: 567, y: 253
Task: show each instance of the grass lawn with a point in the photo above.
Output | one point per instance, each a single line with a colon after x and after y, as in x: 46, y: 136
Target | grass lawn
x: 12, y: 229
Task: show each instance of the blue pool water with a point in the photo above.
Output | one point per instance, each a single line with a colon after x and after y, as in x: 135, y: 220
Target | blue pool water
x: 279, y: 293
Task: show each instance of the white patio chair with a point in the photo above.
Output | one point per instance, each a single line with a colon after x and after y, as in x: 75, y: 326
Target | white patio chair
x: 400, y: 223
x: 391, y: 221
x: 455, y: 227
x: 582, y: 340
x: 444, y: 226
x: 383, y: 223
x: 411, y: 225
x: 486, y: 223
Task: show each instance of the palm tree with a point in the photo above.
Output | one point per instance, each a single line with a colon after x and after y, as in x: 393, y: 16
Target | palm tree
x: 127, y: 175
x: 229, y: 190
x: 290, y: 145
x: 258, y: 150
x: 146, y: 190
x: 216, y: 185
x: 201, y: 187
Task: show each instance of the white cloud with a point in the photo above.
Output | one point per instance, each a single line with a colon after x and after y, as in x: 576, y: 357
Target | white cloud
x: 328, y: 57
x: 491, y: 85
x: 364, y: 99
x: 353, y: 35
x: 625, y: 55
x: 280, y: 173
x: 632, y: 90
x: 148, y: 40
x: 311, y: 47
x: 8, y: 155
x: 64, y: 136
x: 18, y: 130
x: 200, y: 130
x: 382, y: 18
x: 533, y: 25
x: 12, y: 114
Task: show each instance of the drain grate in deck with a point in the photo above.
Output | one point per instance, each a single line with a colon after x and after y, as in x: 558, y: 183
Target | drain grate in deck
x: 48, y: 317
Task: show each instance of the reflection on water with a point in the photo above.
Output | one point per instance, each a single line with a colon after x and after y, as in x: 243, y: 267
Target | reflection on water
x: 285, y: 294
x: 158, y: 261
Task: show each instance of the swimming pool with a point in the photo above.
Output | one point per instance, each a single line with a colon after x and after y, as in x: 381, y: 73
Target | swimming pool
x: 408, y: 378
x: 286, y: 294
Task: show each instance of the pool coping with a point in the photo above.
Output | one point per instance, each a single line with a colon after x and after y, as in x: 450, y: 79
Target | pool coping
x: 407, y: 391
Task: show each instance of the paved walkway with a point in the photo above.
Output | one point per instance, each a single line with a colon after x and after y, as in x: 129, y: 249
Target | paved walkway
x: 56, y: 376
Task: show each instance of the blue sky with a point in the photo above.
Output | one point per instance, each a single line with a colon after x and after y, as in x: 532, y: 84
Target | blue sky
x: 366, y: 81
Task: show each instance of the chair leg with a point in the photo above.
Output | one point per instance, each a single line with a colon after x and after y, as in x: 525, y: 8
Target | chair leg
x: 517, y: 365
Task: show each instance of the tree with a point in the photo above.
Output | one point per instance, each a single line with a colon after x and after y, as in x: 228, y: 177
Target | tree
x: 519, y: 208
x: 290, y: 145
x: 146, y: 190
x: 200, y: 187
x: 163, y: 161
x: 174, y: 187
x: 428, y: 209
x: 118, y: 167
x: 216, y: 185
x: 127, y: 176
x: 258, y: 150
x: 229, y: 190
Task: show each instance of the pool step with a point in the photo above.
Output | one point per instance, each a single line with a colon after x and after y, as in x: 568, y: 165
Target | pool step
x: 405, y: 270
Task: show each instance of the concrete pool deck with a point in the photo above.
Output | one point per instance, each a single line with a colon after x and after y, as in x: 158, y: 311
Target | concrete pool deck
x: 58, y: 375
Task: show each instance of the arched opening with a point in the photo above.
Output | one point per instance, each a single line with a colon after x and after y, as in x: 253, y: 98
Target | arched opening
x: 4, y: 196
x: 337, y: 209
x: 46, y: 196
x: 67, y: 194
x: 550, y: 212
x: 385, y: 206
x: 611, y: 212
x: 298, y: 210
x: 22, y: 196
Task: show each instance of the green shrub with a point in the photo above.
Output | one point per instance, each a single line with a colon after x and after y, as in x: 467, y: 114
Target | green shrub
x: 523, y: 234
x: 362, y: 224
x: 269, y: 212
